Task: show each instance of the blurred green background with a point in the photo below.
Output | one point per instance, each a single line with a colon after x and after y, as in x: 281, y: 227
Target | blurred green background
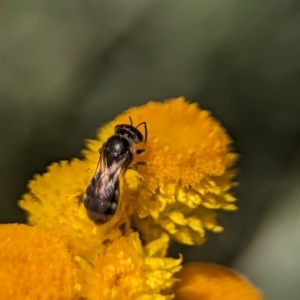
x: 67, y: 67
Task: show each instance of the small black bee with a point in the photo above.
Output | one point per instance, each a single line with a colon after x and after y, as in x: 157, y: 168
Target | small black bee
x: 116, y: 154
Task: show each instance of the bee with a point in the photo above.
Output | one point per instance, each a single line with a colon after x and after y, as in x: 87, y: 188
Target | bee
x: 116, y: 154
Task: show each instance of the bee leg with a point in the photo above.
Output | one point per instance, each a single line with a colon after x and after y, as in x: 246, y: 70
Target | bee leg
x: 80, y: 199
x: 140, y: 151
x: 138, y: 163
x: 135, y: 229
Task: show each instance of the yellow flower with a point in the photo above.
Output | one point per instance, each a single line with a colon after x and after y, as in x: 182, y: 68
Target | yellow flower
x: 35, y: 265
x: 188, y: 174
x: 213, y: 282
x: 124, y: 270
x: 111, y: 263
x: 187, y: 178
x: 54, y: 203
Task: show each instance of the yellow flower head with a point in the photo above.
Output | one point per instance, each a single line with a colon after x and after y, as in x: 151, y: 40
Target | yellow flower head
x: 126, y: 271
x: 54, y: 203
x: 188, y: 175
x: 35, y: 265
x: 213, y: 282
x: 112, y: 264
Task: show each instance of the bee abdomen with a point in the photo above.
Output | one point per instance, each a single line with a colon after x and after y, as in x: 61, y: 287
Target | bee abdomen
x: 103, y: 210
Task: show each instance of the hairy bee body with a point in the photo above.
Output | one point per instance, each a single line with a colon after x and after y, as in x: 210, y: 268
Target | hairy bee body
x: 116, y: 154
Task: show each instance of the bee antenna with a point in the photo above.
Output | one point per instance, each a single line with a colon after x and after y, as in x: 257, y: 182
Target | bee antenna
x: 130, y: 119
x: 145, y: 128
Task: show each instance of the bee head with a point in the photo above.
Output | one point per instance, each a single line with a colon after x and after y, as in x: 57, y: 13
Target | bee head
x: 130, y: 132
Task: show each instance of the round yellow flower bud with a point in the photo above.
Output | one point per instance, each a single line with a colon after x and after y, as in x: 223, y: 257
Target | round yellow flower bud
x: 205, y: 281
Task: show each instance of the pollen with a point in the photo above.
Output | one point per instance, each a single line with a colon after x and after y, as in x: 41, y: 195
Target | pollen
x: 188, y: 174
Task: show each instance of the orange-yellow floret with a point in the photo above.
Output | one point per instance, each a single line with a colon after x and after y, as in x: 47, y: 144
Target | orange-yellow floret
x: 123, y: 270
x: 35, y: 265
x: 204, y: 281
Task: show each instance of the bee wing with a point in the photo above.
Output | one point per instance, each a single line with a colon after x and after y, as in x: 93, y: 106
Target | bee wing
x: 102, y: 163
x: 110, y: 173
x: 102, y: 188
